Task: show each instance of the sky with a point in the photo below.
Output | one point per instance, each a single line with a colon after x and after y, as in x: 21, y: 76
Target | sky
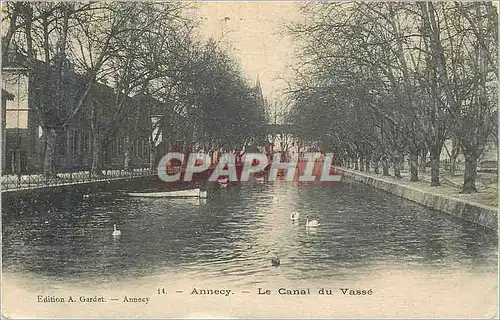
x: 256, y: 33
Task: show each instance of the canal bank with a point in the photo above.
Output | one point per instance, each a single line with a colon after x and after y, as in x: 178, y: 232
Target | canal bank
x: 53, y: 195
x: 63, y: 194
x: 443, y: 199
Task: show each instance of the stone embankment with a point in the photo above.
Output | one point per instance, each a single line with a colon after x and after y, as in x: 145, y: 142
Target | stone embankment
x: 439, y: 198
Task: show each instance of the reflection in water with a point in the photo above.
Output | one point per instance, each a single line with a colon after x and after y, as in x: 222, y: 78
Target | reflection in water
x: 231, y: 233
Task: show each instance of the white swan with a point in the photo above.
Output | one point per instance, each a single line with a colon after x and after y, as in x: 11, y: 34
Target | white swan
x: 294, y: 216
x: 116, y: 232
x: 312, y: 223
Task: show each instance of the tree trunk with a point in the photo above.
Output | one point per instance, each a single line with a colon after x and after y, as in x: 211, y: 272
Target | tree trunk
x: 12, y: 28
x: 69, y: 149
x: 376, y: 166
x: 470, y: 173
x: 396, y: 161
x: 385, y: 167
x: 152, y: 155
x: 397, y: 169
x: 435, y: 152
x: 423, y: 160
x: 455, y: 151
x: 96, y: 155
x: 126, y: 153
x: 356, y: 166
x: 50, y: 152
x: 18, y: 166
x: 361, y: 164
x: 453, y: 165
x: 367, y: 165
x: 413, y: 165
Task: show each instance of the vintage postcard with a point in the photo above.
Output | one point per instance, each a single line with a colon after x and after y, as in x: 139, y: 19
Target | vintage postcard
x: 333, y: 159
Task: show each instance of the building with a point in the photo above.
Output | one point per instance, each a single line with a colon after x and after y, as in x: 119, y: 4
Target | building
x: 16, y: 124
x: 123, y: 131
x: 6, y: 96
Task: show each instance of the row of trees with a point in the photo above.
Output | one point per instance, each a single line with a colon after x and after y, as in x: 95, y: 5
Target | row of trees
x: 379, y: 80
x: 137, y: 48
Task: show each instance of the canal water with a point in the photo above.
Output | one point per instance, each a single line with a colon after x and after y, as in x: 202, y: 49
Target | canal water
x: 415, y: 261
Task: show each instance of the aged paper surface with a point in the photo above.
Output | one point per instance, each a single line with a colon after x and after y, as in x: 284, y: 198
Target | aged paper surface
x: 144, y: 147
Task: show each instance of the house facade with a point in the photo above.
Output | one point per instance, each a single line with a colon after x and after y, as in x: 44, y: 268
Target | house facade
x: 23, y: 136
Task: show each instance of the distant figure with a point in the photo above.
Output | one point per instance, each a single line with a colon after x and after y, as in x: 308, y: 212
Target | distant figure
x: 312, y: 223
x: 116, y: 232
x: 294, y: 216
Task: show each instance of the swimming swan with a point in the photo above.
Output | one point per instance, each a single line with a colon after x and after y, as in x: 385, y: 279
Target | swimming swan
x: 312, y: 223
x: 116, y: 232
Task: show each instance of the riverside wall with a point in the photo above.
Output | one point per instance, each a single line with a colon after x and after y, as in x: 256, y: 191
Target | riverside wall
x: 480, y: 214
x: 45, y: 195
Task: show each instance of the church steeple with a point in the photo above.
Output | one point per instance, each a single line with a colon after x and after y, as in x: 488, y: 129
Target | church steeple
x: 258, y: 90
x: 257, y: 83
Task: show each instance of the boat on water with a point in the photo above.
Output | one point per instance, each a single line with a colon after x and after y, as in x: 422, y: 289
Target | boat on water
x: 190, y: 193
